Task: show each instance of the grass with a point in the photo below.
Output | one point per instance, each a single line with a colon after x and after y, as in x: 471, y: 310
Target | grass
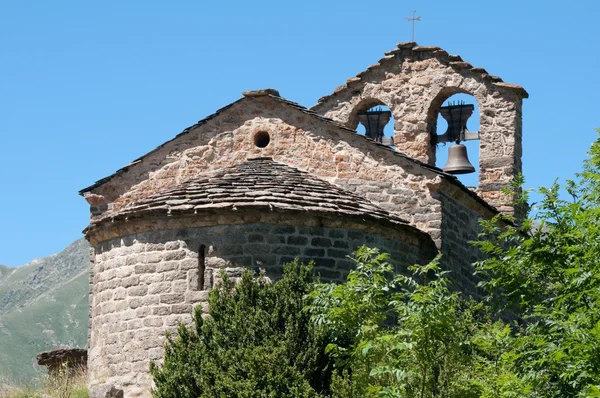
x: 66, y: 384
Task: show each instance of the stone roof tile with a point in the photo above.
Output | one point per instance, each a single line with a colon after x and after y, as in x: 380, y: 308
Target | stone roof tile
x: 259, y: 182
x: 314, y: 114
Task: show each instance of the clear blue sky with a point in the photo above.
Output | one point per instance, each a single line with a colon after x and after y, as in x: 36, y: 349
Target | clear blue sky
x: 88, y: 86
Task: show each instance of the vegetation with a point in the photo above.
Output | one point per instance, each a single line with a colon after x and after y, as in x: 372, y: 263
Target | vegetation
x: 257, y: 342
x: 548, y: 272
x: 67, y: 384
x: 385, y: 335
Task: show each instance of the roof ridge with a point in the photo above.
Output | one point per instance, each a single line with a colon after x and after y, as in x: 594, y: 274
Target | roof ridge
x: 314, y: 114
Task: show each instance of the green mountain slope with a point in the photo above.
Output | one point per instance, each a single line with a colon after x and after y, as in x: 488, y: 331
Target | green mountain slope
x: 43, y: 305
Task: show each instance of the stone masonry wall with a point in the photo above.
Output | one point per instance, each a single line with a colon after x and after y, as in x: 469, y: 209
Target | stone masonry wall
x: 414, y: 81
x: 144, y: 284
x: 338, y: 156
x: 460, y: 226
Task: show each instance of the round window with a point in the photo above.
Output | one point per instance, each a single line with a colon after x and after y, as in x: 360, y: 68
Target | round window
x: 262, y: 139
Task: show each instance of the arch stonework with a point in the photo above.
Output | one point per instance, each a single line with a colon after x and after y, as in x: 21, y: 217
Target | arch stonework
x: 413, y: 82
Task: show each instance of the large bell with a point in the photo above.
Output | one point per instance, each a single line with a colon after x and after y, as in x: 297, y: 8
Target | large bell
x: 458, y: 161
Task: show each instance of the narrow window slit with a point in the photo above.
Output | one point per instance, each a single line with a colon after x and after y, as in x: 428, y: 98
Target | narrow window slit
x: 201, y: 267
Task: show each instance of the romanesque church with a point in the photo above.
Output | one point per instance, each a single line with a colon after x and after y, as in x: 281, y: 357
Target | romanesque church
x: 264, y: 180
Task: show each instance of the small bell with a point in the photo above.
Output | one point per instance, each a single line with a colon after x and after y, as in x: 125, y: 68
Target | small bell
x: 458, y: 161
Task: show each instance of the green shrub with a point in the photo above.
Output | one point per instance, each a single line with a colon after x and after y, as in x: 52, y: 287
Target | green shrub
x: 409, y: 336
x: 257, y: 342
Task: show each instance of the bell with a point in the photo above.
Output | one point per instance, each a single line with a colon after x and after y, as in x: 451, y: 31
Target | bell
x: 458, y: 162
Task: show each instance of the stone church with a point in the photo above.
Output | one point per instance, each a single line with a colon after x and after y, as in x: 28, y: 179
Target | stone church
x: 265, y: 180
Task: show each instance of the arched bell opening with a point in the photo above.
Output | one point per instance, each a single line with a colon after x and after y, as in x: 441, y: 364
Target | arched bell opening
x: 374, y: 119
x: 454, y: 128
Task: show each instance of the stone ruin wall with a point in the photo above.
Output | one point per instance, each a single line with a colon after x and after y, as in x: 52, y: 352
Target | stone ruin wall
x: 145, y: 283
x: 414, y: 82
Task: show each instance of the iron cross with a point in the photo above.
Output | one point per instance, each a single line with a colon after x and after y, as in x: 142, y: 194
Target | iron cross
x: 413, y: 19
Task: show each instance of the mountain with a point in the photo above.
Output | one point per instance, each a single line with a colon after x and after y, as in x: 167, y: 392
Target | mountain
x: 43, y: 305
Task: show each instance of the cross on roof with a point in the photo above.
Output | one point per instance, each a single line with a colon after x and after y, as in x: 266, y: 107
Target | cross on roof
x: 413, y: 19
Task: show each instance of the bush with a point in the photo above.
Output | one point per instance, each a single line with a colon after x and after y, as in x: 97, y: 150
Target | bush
x: 257, y: 342
x: 409, y: 336
x: 547, y: 270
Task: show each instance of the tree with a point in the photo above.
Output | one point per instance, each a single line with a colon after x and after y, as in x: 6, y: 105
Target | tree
x: 410, y: 336
x: 256, y: 342
x: 380, y: 334
x: 547, y: 270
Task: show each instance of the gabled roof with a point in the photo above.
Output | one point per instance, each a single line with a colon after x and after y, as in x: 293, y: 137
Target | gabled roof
x: 257, y: 183
x: 454, y: 61
x: 274, y: 95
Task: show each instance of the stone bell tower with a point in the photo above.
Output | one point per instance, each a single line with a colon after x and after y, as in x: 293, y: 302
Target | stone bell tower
x: 414, y: 81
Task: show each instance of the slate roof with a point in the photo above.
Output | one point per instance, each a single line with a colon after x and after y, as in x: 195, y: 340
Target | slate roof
x: 277, y: 98
x: 313, y: 114
x: 259, y: 183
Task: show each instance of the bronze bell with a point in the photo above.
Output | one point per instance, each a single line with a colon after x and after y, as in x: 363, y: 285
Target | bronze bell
x: 458, y: 161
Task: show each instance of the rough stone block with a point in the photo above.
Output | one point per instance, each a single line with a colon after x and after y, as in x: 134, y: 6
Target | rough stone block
x: 256, y: 248
x: 179, y: 286
x: 172, y: 275
x: 174, y: 255
x: 275, y: 239
x: 143, y: 312
x: 229, y: 250
x: 325, y: 262
x: 140, y: 290
x: 286, y: 250
x: 167, y: 266
x: 336, y: 233
x: 181, y: 309
x: 154, y: 321
x: 174, y: 245
x: 297, y: 240
x: 171, y: 298
x: 264, y: 260
x: 130, y: 281
x: 144, y: 268
x: 162, y: 310
x: 312, y: 252
x: 337, y: 253
x: 283, y: 230
x: 253, y: 238
x: 341, y: 244
x: 153, y: 257
x: 160, y: 287
x: 188, y: 263
x: 148, y: 279
x: 134, y: 302
x: 105, y: 391
x: 196, y: 296
x: 320, y: 242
